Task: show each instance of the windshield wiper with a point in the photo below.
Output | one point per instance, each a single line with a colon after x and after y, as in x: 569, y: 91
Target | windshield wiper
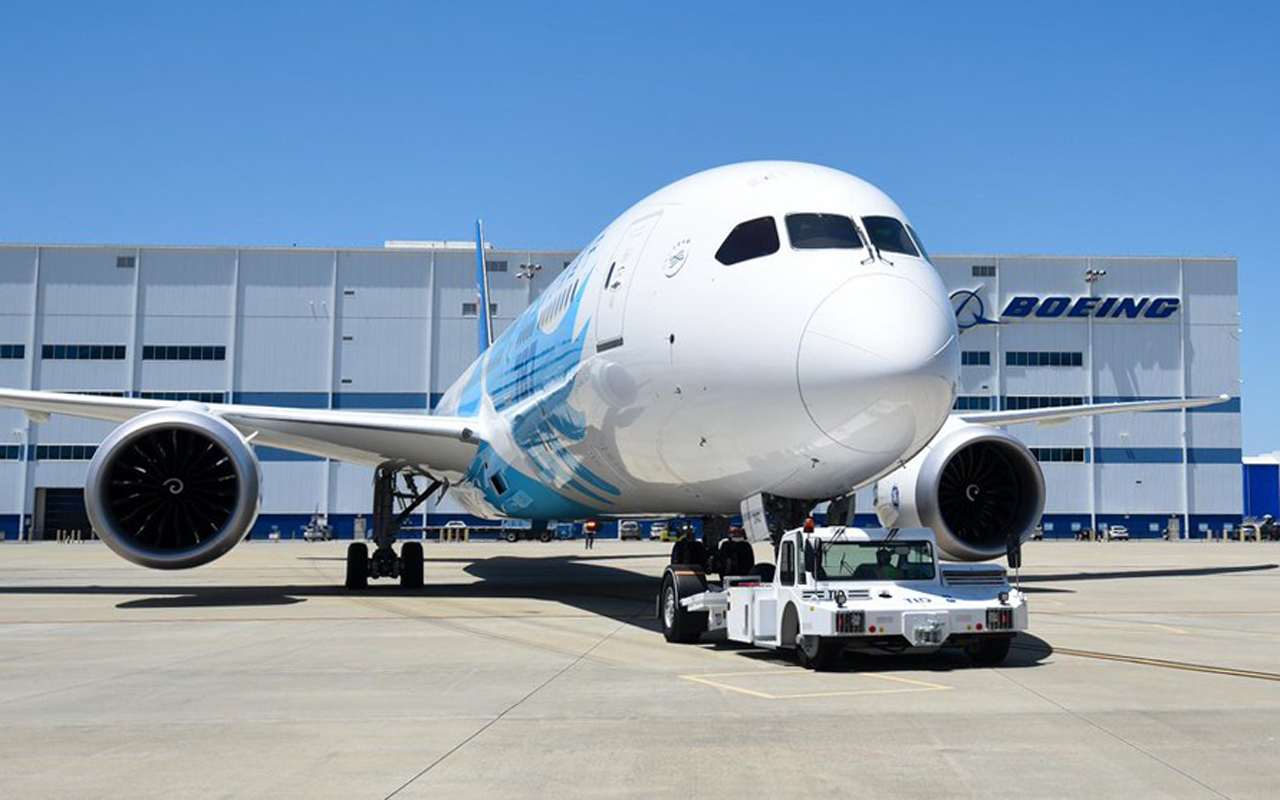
x: 844, y: 565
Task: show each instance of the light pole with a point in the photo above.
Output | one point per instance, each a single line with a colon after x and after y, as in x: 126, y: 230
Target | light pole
x: 1091, y: 278
x: 20, y: 436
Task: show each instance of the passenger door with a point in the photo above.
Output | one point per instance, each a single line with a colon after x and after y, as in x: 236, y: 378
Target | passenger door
x: 619, y: 275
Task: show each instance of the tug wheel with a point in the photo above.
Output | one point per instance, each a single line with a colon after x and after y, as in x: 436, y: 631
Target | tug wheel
x: 679, y: 624
x: 818, y: 652
x: 989, y: 651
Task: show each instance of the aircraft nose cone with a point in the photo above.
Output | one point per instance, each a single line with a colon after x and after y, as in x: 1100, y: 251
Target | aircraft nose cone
x: 878, y: 363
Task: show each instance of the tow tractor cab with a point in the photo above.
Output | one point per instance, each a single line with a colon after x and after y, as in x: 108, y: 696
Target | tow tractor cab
x: 838, y: 588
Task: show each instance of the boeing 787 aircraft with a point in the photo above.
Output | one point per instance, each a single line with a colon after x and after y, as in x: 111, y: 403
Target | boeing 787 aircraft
x: 755, y: 339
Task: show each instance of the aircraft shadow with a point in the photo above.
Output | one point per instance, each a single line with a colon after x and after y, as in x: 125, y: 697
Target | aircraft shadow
x: 582, y: 582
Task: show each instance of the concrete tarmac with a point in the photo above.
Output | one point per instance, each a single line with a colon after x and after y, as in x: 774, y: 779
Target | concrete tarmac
x: 1152, y: 670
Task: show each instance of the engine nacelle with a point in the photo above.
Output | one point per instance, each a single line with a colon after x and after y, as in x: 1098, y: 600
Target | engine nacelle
x: 974, y: 485
x: 173, y: 488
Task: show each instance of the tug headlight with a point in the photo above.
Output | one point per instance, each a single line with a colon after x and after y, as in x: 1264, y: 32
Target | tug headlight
x: 1003, y: 597
x: 841, y: 598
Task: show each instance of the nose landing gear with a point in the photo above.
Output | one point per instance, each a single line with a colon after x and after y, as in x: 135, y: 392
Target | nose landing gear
x: 387, y: 520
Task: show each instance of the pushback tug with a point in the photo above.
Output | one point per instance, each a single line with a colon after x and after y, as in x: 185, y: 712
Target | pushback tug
x: 840, y: 588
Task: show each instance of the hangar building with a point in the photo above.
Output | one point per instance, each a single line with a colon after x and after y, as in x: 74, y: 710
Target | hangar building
x: 391, y: 328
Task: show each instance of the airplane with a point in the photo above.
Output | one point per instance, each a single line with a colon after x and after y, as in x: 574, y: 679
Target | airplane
x: 754, y: 340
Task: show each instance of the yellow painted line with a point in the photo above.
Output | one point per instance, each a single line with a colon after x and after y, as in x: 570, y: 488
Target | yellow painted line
x: 1168, y: 628
x: 1182, y: 665
x: 708, y: 679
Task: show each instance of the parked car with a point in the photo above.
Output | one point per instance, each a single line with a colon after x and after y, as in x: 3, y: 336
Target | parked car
x: 629, y: 529
x: 1116, y: 533
x: 658, y: 530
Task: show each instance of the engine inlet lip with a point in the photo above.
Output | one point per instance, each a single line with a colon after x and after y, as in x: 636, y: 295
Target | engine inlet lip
x: 940, y: 457
x: 244, y: 464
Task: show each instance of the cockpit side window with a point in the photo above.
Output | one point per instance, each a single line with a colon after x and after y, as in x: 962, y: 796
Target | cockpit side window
x: 751, y: 239
x: 889, y: 235
x: 919, y: 243
x: 822, y: 232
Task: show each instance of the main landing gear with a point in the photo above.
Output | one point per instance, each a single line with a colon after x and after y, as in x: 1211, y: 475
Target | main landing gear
x: 716, y: 552
x: 391, y: 507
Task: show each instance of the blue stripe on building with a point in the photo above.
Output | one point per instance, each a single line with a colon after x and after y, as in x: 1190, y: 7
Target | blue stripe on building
x: 381, y: 400
x: 283, y: 399
x: 1138, y: 455
x: 1214, y: 455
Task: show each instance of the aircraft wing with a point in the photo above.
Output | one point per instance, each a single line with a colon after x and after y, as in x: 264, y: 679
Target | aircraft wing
x: 438, y: 443
x: 1050, y: 416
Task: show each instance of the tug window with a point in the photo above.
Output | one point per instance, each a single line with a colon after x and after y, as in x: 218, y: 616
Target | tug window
x: 787, y: 564
x: 822, y: 232
x: 751, y: 239
x: 890, y: 235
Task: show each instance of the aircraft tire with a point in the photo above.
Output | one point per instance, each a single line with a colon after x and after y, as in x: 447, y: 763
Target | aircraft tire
x: 990, y: 651
x: 357, y: 566
x: 411, y: 565
x: 764, y: 571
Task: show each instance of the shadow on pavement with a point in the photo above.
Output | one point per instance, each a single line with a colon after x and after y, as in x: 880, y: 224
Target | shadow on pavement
x: 1027, y: 651
x: 583, y: 583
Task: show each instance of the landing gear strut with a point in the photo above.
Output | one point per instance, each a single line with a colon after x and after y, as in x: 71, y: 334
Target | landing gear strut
x: 392, y: 506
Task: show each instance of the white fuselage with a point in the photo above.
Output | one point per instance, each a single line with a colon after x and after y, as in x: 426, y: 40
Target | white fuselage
x: 652, y: 377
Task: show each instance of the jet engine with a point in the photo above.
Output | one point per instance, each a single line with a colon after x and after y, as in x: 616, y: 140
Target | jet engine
x: 974, y: 485
x: 173, y: 488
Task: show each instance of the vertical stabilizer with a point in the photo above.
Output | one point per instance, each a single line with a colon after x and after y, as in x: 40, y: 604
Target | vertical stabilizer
x: 482, y: 292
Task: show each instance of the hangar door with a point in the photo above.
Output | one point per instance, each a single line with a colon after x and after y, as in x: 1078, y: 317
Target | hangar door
x: 612, y: 307
x: 61, y: 510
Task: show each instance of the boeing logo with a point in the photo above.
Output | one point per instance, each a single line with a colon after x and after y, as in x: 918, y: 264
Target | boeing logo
x: 970, y: 310
x: 1024, y: 306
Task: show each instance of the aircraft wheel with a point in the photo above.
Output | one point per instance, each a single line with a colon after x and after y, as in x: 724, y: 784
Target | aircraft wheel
x: 357, y: 566
x: 990, y: 651
x: 411, y: 565
x: 817, y: 652
x: 764, y: 571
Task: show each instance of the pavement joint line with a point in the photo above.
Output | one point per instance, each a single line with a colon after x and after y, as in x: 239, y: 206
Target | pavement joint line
x: 708, y: 680
x: 1004, y: 674
x: 1156, y: 662
x: 506, y: 711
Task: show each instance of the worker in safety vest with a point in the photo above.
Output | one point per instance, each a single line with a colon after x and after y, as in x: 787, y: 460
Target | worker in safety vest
x: 589, y: 533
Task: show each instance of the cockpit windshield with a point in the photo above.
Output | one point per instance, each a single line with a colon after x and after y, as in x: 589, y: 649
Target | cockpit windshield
x: 875, y: 561
x: 919, y: 243
x: 822, y: 232
x: 889, y: 235
x: 751, y: 239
